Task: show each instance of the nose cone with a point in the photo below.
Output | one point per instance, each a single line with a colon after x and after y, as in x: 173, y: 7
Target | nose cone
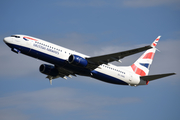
x: 7, y: 40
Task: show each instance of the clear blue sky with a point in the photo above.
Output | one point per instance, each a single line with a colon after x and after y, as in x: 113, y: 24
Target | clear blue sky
x: 92, y: 27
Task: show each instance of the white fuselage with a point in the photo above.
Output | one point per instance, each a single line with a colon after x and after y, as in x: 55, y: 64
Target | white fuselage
x: 41, y: 49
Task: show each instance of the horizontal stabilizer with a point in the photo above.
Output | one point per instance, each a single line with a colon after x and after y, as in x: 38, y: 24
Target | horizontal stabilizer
x: 153, y: 77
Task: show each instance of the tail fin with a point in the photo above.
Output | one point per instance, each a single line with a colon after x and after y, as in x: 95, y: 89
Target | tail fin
x: 142, y: 65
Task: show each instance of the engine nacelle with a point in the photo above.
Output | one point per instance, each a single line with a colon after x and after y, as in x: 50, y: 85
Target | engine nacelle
x: 77, y: 61
x: 48, y: 70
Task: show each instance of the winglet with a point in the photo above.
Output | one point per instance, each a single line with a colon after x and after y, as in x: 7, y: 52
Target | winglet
x: 155, y: 41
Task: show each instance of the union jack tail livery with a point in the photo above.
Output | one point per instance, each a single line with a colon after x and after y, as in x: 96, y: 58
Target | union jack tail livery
x: 142, y: 65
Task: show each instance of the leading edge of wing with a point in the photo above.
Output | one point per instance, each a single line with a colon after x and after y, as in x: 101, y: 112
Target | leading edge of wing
x: 104, y: 59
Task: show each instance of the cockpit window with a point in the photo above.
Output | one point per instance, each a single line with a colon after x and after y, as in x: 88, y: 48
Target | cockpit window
x: 15, y: 36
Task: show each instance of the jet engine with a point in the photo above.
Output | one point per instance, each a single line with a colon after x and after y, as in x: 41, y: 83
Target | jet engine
x: 77, y: 61
x: 48, y: 70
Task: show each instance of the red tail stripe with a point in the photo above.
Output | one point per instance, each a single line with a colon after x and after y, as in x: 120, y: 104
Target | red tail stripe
x: 154, y: 44
x: 138, y: 70
x: 149, y: 56
x: 157, y: 39
x: 133, y: 67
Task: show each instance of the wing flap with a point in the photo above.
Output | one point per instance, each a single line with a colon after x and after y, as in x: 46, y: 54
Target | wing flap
x: 63, y: 73
x: 154, y: 77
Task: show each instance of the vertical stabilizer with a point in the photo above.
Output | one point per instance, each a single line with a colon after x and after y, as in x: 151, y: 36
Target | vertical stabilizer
x: 142, y: 65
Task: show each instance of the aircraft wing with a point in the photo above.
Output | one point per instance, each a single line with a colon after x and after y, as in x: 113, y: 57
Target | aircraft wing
x: 104, y: 59
x: 64, y: 72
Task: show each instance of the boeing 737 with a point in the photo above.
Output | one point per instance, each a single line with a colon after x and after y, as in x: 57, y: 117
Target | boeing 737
x: 67, y: 63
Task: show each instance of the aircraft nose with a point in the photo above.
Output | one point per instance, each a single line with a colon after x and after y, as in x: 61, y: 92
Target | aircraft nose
x: 7, y: 40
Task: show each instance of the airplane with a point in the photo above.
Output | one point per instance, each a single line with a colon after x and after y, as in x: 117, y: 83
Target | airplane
x: 67, y: 63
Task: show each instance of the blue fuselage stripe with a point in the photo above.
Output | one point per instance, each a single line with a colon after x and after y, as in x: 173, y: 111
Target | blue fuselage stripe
x: 107, y: 78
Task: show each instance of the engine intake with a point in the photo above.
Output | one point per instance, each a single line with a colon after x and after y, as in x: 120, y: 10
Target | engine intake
x: 77, y: 61
x: 48, y: 70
